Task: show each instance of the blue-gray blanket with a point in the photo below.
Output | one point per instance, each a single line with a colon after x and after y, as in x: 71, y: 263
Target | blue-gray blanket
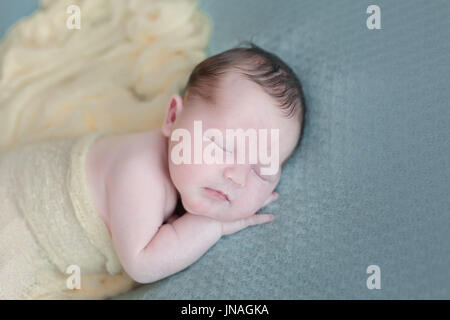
x: 370, y: 183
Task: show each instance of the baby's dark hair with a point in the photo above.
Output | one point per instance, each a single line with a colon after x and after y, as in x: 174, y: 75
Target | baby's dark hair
x: 260, y: 66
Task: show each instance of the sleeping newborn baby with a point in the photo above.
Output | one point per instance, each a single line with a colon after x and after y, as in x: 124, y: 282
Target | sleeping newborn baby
x: 136, y: 178
x: 136, y: 181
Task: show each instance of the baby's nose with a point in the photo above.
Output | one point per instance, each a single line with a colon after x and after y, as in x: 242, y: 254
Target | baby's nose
x: 237, y: 174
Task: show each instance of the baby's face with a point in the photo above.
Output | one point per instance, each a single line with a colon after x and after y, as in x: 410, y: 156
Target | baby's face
x: 243, y: 190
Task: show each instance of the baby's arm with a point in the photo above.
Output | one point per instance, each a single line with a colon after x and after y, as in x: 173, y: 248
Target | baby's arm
x: 176, y: 246
x: 181, y: 243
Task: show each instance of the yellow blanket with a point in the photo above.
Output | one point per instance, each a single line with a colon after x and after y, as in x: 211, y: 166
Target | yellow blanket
x: 115, y: 74
x: 49, y: 223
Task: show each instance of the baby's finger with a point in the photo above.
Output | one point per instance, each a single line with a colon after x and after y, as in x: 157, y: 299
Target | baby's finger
x: 273, y: 196
x: 260, y: 218
x: 230, y: 227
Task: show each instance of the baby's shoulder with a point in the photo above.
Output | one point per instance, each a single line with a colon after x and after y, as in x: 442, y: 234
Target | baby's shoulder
x: 139, y: 166
x: 134, y: 156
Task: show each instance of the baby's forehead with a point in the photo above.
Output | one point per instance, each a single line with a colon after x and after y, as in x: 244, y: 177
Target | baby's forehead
x: 239, y: 103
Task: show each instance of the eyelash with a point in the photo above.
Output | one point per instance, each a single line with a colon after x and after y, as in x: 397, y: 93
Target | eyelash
x: 210, y: 139
x: 253, y: 170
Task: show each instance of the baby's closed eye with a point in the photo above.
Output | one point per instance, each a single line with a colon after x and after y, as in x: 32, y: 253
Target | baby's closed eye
x: 217, y: 143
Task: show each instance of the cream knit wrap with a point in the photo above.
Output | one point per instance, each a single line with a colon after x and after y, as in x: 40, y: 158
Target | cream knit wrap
x: 48, y: 222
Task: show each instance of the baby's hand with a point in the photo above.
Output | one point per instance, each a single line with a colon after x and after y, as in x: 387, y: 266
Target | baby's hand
x: 273, y: 196
x: 229, y: 227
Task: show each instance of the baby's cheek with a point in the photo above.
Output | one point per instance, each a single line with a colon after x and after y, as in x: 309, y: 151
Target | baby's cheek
x: 184, y: 172
x: 182, y: 176
x: 254, y: 200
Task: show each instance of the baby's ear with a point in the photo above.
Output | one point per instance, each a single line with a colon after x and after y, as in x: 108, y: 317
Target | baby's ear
x: 273, y: 196
x: 173, y: 111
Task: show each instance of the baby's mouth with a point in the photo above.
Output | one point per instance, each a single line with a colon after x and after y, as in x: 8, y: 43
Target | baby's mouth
x: 216, y: 194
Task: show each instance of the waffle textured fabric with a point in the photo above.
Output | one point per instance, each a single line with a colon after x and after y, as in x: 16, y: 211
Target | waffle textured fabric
x: 369, y: 184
